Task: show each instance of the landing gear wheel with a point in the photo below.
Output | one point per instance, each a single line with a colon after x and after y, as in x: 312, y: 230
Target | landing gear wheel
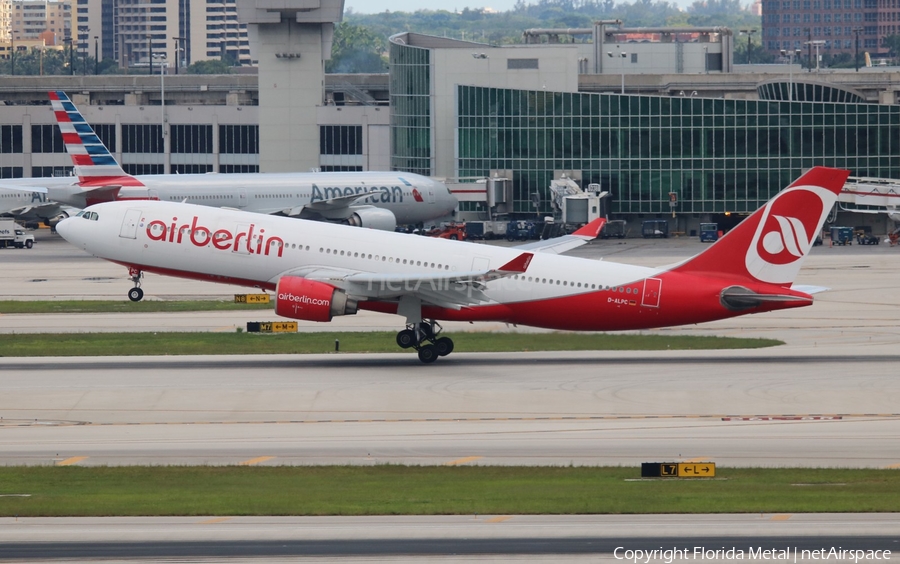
x: 428, y: 353
x: 135, y: 294
x: 406, y: 338
x: 444, y: 346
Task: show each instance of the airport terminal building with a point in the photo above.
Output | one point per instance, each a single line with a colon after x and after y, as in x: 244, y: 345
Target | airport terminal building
x: 712, y: 142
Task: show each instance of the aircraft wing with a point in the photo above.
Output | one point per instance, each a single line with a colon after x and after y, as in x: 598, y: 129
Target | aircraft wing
x: 38, y: 210
x: 330, y: 205
x: 449, y: 289
x: 559, y: 245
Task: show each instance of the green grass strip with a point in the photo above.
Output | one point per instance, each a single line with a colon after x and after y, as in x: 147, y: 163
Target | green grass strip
x: 417, y: 490
x: 125, y: 306
x: 130, y: 344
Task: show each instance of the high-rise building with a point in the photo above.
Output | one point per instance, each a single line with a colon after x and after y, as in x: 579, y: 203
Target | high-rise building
x: 131, y: 31
x: 829, y: 26
x: 41, y: 19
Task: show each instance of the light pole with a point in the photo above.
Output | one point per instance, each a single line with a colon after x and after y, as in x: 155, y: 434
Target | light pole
x: 749, y: 33
x: 857, y: 31
x: 12, y: 56
x: 178, y: 41
x: 817, y: 43
x: 162, y: 90
x: 96, y: 57
x: 68, y: 41
x: 790, y: 54
x: 83, y: 37
x: 706, y: 59
x: 808, y: 31
x: 622, y: 55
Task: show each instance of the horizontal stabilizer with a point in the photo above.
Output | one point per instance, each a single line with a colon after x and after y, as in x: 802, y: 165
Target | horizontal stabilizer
x: 738, y: 298
x: 806, y: 289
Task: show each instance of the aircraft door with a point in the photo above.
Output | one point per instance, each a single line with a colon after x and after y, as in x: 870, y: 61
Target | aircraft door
x: 242, y: 199
x: 130, y: 223
x: 430, y: 194
x: 652, y: 289
x: 481, y: 263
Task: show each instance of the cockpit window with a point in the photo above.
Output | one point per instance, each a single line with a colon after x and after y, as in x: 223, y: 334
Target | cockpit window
x: 79, y: 214
x: 88, y: 215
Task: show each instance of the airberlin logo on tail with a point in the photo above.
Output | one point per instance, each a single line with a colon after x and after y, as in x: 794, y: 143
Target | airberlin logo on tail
x: 250, y: 241
x: 787, y: 240
x: 785, y: 233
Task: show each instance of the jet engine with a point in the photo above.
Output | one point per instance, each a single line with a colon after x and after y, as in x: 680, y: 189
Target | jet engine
x: 299, y: 298
x: 373, y: 218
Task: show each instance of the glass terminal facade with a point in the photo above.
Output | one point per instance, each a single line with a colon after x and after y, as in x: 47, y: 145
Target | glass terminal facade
x: 716, y: 155
x: 411, y: 109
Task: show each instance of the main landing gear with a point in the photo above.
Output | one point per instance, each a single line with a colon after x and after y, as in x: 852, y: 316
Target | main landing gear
x: 135, y: 294
x: 424, y: 337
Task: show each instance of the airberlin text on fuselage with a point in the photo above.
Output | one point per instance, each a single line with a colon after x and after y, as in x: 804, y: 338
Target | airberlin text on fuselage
x: 222, y: 239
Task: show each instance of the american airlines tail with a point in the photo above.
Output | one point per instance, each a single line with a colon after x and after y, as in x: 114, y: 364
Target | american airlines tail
x: 769, y: 246
x: 94, y: 164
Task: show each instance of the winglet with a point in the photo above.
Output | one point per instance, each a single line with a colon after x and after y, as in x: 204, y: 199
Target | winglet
x: 517, y: 265
x: 591, y: 230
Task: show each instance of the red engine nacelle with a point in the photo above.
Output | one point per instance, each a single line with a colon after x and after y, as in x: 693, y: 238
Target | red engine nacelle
x: 299, y: 298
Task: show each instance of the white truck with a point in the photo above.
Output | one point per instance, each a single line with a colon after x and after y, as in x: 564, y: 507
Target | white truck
x: 14, y: 235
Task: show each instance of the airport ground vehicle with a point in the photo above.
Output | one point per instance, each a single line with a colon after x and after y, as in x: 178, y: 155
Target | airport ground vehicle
x: 614, y: 228
x: 454, y: 231
x: 841, y: 236
x: 521, y: 230
x: 655, y: 228
x: 486, y: 229
x: 14, y: 235
x: 709, y: 232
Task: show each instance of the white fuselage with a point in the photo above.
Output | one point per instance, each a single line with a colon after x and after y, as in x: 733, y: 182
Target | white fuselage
x: 259, y: 250
x: 412, y: 198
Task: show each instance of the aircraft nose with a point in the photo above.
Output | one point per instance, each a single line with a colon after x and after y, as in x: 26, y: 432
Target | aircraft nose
x: 63, y: 227
x: 68, y: 230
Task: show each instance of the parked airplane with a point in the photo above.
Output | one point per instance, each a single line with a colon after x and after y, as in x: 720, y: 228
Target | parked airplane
x: 318, y: 271
x: 380, y: 200
x: 29, y: 204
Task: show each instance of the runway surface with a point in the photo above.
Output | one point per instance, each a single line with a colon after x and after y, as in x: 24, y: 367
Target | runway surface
x: 751, y: 409
x: 588, y: 538
x: 829, y: 397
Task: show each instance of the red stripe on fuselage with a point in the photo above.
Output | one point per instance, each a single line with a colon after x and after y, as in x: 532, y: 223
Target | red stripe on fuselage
x: 683, y: 300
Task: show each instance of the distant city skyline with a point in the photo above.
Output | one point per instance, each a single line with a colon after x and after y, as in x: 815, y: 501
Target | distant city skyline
x: 378, y: 6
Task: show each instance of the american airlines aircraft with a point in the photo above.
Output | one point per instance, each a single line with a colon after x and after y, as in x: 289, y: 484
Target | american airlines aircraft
x: 319, y: 271
x: 29, y: 204
x: 380, y: 200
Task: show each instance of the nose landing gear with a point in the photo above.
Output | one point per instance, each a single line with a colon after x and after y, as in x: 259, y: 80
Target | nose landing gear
x: 135, y: 294
x: 424, y: 337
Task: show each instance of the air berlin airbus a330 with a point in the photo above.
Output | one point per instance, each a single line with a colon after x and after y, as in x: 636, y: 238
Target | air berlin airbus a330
x: 321, y: 270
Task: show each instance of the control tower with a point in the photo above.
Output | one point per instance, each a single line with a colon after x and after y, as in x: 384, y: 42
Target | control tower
x: 292, y: 40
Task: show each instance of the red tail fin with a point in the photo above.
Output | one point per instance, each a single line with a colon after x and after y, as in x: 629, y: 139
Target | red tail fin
x: 770, y: 245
